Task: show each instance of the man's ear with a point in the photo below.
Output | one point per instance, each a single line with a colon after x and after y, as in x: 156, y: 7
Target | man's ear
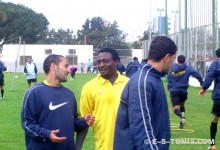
x: 53, y: 66
x: 166, y: 58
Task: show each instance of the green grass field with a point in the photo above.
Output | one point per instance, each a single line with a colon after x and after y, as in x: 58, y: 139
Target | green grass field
x: 11, y: 134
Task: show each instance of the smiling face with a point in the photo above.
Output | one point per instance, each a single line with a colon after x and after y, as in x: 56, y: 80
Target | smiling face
x: 106, y: 65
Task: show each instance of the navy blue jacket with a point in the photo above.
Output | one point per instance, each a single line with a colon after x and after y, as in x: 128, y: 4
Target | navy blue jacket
x: 132, y: 67
x: 120, y: 68
x: 47, y: 108
x: 213, y: 74
x: 143, y: 119
x: 2, y: 69
x: 143, y: 62
x: 178, y: 77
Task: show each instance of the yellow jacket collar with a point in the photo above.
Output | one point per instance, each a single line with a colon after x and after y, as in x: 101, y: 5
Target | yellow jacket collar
x: 102, y: 80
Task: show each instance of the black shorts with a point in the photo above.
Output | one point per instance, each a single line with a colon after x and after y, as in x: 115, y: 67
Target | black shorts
x: 216, y: 107
x: 2, y: 82
x: 72, y: 74
x: 177, y: 97
x: 31, y: 80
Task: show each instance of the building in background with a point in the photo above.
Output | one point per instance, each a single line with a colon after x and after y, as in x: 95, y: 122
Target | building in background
x: 75, y: 54
x: 159, y: 25
x: 14, y: 56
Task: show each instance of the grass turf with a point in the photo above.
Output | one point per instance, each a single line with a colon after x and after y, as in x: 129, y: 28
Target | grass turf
x: 197, y: 115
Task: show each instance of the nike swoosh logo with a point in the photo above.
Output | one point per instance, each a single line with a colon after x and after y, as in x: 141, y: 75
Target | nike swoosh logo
x: 51, y: 107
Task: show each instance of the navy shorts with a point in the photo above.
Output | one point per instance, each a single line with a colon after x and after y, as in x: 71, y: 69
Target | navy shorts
x: 177, y: 97
x: 216, y: 107
x: 2, y: 82
x: 31, y: 80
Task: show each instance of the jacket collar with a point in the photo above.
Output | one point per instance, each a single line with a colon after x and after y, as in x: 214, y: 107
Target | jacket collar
x: 153, y: 70
x: 101, y: 80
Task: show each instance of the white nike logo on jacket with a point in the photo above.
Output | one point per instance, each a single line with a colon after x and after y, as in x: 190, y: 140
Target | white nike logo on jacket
x: 51, y: 107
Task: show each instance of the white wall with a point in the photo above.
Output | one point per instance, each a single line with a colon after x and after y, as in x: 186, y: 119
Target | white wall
x: 137, y: 53
x: 9, y: 53
x: 194, y: 82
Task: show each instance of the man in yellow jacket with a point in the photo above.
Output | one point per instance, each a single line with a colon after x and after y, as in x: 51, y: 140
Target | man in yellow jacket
x: 101, y: 97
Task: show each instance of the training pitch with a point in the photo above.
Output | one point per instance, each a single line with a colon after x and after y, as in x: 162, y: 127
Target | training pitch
x: 195, y: 134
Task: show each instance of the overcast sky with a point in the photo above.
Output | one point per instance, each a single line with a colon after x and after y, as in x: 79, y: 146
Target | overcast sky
x: 132, y: 15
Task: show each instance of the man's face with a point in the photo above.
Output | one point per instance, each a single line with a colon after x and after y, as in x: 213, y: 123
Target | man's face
x: 62, y: 70
x: 169, y: 60
x: 106, y: 65
x: 29, y: 60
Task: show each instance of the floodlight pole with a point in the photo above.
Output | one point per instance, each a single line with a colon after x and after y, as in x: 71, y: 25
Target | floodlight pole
x: 23, y: 59
x: 149, y: 34
x: 16, y: 62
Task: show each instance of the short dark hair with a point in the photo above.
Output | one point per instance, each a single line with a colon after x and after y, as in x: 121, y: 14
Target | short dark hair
x: 217, y: 52
x: 160, y: 46
x: 181, y: 59
x: 56, y: 59
x: 135, y: 58
x: 113, y: 52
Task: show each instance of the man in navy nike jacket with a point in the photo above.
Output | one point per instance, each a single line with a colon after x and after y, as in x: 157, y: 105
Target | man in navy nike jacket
x: 49, y: 111
x: 143, y: 118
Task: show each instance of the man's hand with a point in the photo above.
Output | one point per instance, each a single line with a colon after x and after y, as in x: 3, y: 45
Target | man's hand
x: 89, y: 119
x: 55, y: 138
x: 202, y: 92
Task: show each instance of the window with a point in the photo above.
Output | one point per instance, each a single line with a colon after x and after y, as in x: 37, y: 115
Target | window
x: 71, y: 51
x: 73, y: 60
x: 23, y: 60
x: 48, y: 51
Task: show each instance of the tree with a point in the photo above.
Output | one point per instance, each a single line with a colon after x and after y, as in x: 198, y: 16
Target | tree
x: 20, y: 21
x: 58, y: 37
x: 100, y: 33
x: 146, y: 35
x: 136, y: 45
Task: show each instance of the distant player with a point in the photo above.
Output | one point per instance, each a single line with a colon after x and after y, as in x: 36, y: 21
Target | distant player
x: 178, y: 82
x: 2, y: 69
x: 30, y: 70
x: 132, y: 67
x: 73, y: 70
x: 120, y: 67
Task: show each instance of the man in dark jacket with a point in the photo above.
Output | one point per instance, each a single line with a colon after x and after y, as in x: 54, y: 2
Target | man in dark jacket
x: 213, y: 74
x: 120, y: 67
x: 178, y: 83
x: 2, y: 69
x: 143, y: 119
x: 132, y: 67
